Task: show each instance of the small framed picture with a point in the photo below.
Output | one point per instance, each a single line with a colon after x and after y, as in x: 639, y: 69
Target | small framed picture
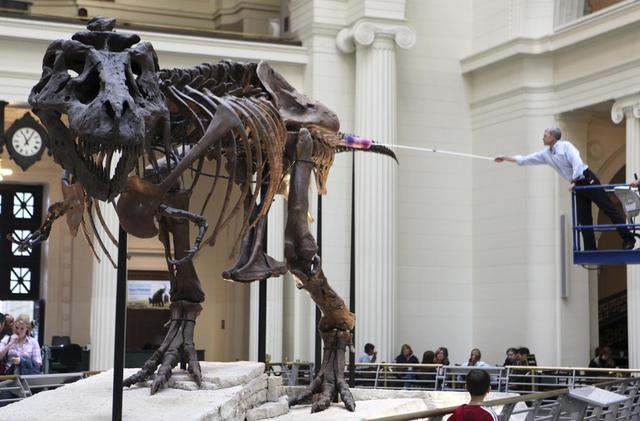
x: 148, y: 289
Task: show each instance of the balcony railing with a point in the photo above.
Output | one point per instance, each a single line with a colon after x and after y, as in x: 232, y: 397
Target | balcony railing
x: 518, y: 379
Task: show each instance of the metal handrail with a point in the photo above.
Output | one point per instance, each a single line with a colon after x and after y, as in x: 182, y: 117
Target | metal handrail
x: 632, y: 408
x: 22, y: 386
x: 520, y: 379
x: 293, y: 373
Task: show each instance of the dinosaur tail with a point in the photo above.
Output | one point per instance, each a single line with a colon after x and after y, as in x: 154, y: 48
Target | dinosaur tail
x: 350, y: 142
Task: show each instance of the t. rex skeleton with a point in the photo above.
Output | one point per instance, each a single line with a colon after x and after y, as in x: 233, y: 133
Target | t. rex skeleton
x: 163, y: 124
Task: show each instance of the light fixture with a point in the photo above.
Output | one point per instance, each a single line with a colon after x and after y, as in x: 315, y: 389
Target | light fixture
x: 4, y: 171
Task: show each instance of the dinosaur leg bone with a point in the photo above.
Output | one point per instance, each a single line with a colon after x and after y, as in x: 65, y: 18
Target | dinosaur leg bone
x: 298, y: 239
x: 186, y: 294
x: 337, y: 322
x: 253, y: 263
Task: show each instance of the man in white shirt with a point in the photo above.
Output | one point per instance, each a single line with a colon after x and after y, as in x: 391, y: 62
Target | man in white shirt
x: 369, y: 355
x: 563, y: 157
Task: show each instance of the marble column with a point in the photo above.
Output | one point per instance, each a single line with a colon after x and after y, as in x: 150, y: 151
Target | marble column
x: 629, y: 107
x: 275, y: 290
x: 376, y: 179
x: 103, y: 295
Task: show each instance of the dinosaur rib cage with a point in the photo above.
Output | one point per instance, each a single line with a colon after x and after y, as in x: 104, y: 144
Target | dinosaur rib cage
x: 252, y: 153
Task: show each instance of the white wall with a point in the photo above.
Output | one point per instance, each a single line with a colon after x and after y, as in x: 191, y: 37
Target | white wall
x: 434, y: 287
x: 498, y: 21
x: 490, y: 23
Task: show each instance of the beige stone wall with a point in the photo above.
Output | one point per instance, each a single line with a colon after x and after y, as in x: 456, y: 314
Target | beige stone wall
x: 248, y: 17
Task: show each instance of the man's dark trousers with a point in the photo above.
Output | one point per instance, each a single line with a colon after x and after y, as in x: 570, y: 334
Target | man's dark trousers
x: 599, y: 197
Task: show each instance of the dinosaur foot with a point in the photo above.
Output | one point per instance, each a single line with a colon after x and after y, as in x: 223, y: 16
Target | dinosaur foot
x: 177, y: 343
x: 261, y: 266
x: 330, y: 379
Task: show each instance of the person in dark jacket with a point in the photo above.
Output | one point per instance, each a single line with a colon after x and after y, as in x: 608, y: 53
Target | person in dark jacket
x: 406, y: 357
x: 427, y: 375
x: 603, y: 359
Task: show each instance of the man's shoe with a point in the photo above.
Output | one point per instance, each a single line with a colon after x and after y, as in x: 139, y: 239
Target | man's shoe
x: 628, y: 244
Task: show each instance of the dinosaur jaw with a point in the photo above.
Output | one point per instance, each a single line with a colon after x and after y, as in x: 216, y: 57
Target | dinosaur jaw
x: 90, y: 161
x: 96, y: 170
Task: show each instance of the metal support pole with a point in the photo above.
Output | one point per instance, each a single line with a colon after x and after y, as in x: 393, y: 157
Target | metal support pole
x: 352, y: 271
x: 318, y: 343
x: 121, y: 321
x: 262, y: 320
x: 3, y: 104
x: 262, y: 301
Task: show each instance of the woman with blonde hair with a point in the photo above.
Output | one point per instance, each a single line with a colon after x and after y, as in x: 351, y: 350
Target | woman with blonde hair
x: 20, y: 351
x: 406, y: 357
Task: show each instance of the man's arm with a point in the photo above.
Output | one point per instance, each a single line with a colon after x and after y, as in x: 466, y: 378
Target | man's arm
x: 536, y: 158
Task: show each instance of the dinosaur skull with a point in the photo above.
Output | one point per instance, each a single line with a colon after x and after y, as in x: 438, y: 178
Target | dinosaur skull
x: 107, y: 88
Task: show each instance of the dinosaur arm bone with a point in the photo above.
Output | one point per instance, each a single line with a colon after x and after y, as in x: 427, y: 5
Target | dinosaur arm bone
x: 189, y: 216
x: 72, y: 207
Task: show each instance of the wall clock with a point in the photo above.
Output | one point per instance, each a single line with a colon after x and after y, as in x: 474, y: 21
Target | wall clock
x: 25, y: 140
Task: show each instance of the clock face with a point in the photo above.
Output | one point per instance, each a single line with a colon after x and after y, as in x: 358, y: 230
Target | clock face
x: 26, y: 141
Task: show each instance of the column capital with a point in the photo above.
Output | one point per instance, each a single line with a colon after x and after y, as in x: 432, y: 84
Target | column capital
x: 628, y: 106
x: 364, y: 32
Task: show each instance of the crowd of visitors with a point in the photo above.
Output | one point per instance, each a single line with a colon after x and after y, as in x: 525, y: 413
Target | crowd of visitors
x: 412, y: 372
x: 514, y: 356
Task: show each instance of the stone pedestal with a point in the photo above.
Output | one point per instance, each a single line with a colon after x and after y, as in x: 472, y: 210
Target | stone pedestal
x: 229, y: 391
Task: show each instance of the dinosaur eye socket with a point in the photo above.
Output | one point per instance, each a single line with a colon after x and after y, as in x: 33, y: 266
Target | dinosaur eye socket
x: 136, y: 70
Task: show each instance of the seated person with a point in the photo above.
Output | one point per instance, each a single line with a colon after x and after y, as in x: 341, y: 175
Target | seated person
x: 406, y: 357
x: 474, y: 359
x: 20, y: 351
x: 428, y: 378
x: 442, y: 357
x: 369, y: 355
x: 367, y: 374
x: 603, y: 359
x: 510, y: 357
x: 478, y: 384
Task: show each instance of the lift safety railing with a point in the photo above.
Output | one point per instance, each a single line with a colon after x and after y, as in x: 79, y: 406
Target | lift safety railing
x: 611, y: 256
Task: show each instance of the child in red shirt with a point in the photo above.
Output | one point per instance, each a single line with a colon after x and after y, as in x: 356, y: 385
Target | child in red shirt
x: 478, y: 385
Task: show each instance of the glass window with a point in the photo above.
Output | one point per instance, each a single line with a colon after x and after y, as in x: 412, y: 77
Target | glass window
x: 22, y: 214
x: 23, y: 205
x: 20, y: 280
x: 567, y: 11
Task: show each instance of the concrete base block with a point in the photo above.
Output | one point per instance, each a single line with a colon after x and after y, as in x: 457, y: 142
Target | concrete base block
x: 269, y: 410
